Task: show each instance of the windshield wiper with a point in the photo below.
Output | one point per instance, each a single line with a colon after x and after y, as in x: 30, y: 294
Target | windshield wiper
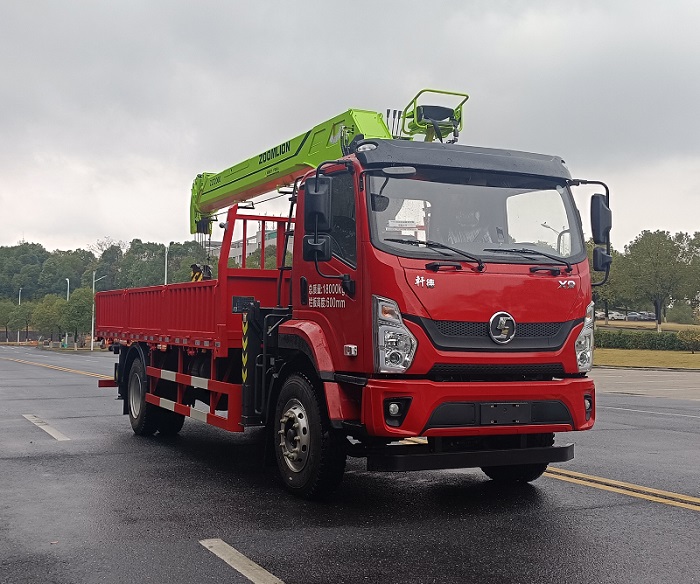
x: 528, y: 251
x: 437, y: 245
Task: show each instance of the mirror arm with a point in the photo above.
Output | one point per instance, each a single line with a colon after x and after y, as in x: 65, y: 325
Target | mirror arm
x: 346, y: 163
x: 347, y: 283
x: 605, y: 278
x: 574, y: 182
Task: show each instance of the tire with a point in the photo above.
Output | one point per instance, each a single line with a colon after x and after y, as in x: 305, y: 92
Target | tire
x: 169, y: 423
x: 142, y: 415
x: 521, y: 473
x: 516, y: 473
x: 310, y: 455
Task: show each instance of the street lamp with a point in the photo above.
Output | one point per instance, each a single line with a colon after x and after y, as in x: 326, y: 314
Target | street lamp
x: 560, y: 235
x: 19, y: 303
x: 550, y: 227
x: 92, y: 330
x: 167, y: 250
x: 67, y: 300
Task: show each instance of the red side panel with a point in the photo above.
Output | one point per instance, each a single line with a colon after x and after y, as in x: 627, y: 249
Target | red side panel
x: 185, y: 310
x: 195, y: 314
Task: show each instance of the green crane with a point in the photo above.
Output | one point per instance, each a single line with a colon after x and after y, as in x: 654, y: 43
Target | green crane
x: 283, y: 164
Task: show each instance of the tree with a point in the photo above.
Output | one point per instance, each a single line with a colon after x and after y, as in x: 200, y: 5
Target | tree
x: 143, y: 264
x: 19, y: 267
x: 253, y: 260
x: 6, y: 308
x: 78, y: 314
x: 611, y: 293
x: 27, y: 279
x: 109, y: 266
x: 681, y: 312
x: 49, y: 314
x: 61, y: 265
x: 181, y: 256
x: 655, y: 267
x: 692, y: 282
x: 21, y: 318
x: 102, y: 245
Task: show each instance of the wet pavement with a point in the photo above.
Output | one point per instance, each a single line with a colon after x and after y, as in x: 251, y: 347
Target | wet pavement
x: 106, y: 506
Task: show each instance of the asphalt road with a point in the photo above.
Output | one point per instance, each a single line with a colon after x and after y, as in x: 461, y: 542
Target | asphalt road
x: 91, y: 502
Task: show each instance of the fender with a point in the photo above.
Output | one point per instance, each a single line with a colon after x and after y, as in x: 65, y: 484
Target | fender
x: 309, y: 338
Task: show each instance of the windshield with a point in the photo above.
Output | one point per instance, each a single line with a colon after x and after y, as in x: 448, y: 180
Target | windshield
x: 483, y: 214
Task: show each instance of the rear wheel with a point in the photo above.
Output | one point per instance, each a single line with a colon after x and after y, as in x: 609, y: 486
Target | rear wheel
x: 310, y: 455
x: 169, y: 423
x: 142, y: 415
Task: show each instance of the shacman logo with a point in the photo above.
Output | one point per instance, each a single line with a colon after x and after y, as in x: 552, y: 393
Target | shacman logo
x: 502, y: 328
x: 567, y: 284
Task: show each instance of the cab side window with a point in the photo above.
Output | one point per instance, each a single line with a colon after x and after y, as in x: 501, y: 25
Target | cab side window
x: 343, y: 228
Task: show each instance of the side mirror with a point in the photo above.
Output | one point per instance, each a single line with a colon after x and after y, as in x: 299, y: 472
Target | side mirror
x: 380, y: 203
x: 601, y: 219
x: 317, y: 248
x: 601, y: 260
x: 317, y: 204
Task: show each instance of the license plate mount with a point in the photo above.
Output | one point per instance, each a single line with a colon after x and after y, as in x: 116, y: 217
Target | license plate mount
x: 506, y: 414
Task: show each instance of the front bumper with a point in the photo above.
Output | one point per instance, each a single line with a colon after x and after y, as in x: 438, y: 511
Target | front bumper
x: 463, y: 409
x: 417, y: 457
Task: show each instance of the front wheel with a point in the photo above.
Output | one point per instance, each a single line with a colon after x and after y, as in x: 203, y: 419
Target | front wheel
x: 521, y: 473
x: 310, y: 456
x: 516, y: 473
x: 142, y: 415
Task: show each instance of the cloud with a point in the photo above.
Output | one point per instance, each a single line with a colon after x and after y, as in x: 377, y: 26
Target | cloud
x: 111, y: 110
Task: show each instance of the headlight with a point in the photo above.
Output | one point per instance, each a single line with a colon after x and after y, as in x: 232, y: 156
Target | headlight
x: 584, y: 342
x: 394, y: 345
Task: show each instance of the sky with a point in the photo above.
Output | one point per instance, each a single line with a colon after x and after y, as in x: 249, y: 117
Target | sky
x: 109, y: 110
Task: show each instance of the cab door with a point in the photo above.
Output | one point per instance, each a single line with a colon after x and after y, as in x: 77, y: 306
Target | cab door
x: 321, y: 297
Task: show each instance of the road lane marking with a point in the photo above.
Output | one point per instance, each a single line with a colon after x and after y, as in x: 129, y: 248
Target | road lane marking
x: 45, y: 427
x: 59, y: 368
x: 239, y: 562
x: 629, y: 489
x: 648, y: 412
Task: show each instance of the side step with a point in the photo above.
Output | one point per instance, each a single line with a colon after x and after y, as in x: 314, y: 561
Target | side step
x: 418, y: 457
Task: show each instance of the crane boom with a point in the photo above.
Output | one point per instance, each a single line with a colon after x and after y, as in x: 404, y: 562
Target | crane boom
x: 280, y: 165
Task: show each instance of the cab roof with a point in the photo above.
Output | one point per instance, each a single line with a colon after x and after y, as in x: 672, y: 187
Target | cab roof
x: 455, y: 156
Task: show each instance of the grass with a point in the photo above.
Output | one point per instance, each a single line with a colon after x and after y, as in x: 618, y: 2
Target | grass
x: 643, y: 358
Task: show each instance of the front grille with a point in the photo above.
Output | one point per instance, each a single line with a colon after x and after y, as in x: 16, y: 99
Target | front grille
x: 454, y: 328
x: 453, y: 335
x: 524, y: 372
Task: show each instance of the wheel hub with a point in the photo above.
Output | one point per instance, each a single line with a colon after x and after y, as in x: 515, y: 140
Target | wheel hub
x: 135, y: 395
x: 294, y: 435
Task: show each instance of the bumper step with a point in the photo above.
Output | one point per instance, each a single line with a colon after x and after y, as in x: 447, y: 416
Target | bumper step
x: 418, y: 457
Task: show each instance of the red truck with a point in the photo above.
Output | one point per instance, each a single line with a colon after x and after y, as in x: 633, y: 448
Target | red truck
x: 431, y: 306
